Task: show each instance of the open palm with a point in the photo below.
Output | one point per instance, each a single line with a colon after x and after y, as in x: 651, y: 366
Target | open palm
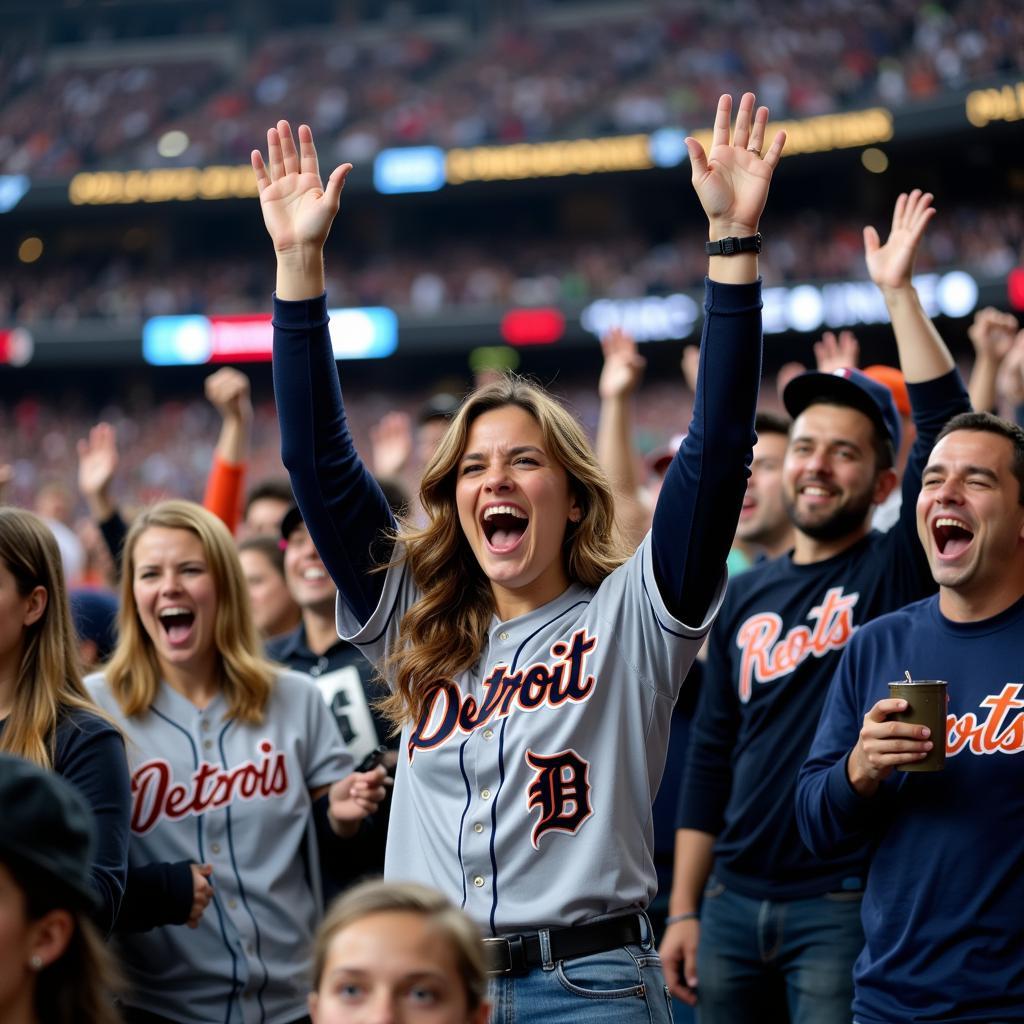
x: 892, y: 265
x: 297, y: 210
x: 732, y: 180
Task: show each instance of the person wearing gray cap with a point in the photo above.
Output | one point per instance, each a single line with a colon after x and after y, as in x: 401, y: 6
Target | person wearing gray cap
x: 54, y: 967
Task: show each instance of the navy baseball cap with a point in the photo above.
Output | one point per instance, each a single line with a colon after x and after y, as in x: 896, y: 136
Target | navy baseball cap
x: 47, y: 829
x: 846, y: 386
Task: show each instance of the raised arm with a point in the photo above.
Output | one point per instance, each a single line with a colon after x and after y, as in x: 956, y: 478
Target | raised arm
x: 342, y: 506
x: 623, y: 368
x: 923, y: 354
x: 936, y: 391
x: 992, y: 334
x: 699, y: 505
x: 97, y: 465
x: 228, y: 392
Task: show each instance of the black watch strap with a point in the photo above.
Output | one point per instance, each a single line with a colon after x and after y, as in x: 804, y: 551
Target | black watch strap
x: 731, y: 246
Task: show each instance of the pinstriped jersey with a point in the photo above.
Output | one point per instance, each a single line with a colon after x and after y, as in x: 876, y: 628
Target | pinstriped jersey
x: 524, y: 791
x: 207, y: 789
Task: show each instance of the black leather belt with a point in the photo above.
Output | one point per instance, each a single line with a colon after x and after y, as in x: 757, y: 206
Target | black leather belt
x: 518, y: 954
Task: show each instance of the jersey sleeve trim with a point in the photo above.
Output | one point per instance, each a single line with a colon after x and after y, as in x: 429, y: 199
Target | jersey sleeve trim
x: 372, y: 633
x: 665, y: 619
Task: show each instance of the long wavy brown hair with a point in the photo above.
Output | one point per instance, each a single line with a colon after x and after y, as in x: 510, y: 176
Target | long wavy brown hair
x: 133, y: 673
x: 444, y: 632
x: 49, y: 680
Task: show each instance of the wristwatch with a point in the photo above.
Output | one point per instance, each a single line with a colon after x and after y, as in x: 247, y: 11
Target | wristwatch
x: 732, y: 246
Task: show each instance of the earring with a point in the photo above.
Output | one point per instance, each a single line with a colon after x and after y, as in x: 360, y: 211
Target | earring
x: 36, y: 962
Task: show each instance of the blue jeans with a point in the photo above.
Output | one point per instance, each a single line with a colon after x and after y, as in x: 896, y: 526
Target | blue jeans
x: 621, y: 985
x: 760, y: 960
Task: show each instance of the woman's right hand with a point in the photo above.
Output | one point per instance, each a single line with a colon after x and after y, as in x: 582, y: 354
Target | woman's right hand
x: 297, y: 209
x: 202, y: 892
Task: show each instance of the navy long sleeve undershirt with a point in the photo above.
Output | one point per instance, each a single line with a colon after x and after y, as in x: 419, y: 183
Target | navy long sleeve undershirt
x: 695, y: 520
x: 343, y: 508
x: 699, y: 505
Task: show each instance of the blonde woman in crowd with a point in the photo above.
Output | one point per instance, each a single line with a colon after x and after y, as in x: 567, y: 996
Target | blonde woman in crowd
x: 236, y: 767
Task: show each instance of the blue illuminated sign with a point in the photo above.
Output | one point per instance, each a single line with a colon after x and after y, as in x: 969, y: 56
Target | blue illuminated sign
x: 667, y: 147
x: 177, y: 340
x: 414, y: 169
x: 12, y: 190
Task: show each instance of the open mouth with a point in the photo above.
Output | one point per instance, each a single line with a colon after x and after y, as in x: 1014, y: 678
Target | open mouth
x: 952, y: 536
x: 177, y: 623
x: 314, y: 574
x: 504, y: 526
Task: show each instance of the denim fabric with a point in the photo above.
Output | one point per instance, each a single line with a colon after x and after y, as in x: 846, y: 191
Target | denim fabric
x: 763, y: 960
x: 623, y: 985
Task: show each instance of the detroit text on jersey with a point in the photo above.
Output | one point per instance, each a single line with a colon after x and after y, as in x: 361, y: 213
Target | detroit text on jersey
x: 156, y: 795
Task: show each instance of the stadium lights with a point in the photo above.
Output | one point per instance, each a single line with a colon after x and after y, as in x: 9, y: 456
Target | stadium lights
x: 12, y: 190
x: 369, y: 332
x: 172, y: 144
x: 16, y: 347
x: 983, y: 106
x: 1015, y: 288
x: 30, y: 249
x: 534, y: 326
x: 805, y: 308
x: 413, y: 169
x: 874, y: 160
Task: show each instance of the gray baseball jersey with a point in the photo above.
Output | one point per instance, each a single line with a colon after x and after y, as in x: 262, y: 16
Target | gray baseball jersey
x: 524, y: 792
x: 207, y: 789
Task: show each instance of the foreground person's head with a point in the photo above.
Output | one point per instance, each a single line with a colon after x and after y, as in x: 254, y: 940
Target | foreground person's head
x: 397, y: 954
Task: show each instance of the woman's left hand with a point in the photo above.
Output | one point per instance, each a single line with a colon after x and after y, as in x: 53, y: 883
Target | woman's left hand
x: 355, y: 797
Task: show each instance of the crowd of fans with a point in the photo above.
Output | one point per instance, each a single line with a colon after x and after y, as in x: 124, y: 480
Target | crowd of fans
x: 616, y: 71
x: 166, y: 446
x: 467, y: 272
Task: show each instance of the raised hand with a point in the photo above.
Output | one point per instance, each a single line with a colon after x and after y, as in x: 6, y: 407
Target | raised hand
x: 732, y: 180
x: 992, y: 333
x: 1010, y: 382
x: 227, y: 390
x: 689, y: 364
x: 832, y: 353
x: 623, y: 365
x: 297, y: 209
x: 97, y: 464
x: 891, y: 266
x: 391, y: 443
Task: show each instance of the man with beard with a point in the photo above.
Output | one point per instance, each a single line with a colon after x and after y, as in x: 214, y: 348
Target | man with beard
x: 759, y: 928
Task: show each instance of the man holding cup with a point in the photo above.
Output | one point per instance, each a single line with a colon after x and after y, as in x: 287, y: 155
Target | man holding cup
x: 942, y: 907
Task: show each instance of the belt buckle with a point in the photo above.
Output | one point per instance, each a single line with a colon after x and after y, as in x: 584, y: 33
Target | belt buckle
x: 515, y: 963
